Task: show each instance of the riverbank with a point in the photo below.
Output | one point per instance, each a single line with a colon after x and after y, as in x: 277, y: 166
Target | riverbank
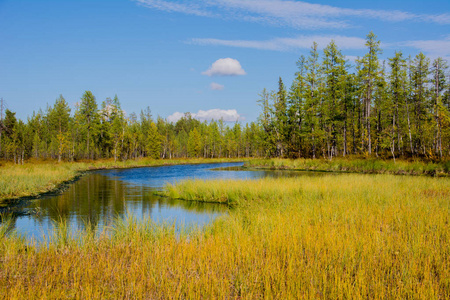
x: 38, y: 177
x: 355, y: 165
x: 346, y: 236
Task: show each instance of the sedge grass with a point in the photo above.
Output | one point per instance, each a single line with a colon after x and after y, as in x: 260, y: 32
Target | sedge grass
x: 330, y: 237
x: 370, y: 165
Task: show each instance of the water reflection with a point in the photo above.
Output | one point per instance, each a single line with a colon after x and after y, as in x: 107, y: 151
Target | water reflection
x: 97, y: 200
x: 100, y: 197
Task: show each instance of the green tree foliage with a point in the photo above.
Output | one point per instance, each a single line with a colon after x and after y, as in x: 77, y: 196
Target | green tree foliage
x: 368, y: 74
x: 153, y: 142
x: 58, y: 119
x: 388, y: 109
x: 88, y: 121
x: 194, y: 143
x: 334, y: 104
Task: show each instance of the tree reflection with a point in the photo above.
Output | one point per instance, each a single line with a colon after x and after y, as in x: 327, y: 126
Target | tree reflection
x: 96, y: 200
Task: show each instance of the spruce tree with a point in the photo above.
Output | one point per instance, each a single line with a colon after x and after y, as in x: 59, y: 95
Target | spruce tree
x: 88, y: 120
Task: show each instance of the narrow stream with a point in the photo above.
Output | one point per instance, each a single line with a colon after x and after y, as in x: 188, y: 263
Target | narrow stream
x: 101, y: 196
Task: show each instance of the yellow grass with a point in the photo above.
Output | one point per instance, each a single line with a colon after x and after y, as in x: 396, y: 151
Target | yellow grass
x: 333, y: 237
x: 358, y: 165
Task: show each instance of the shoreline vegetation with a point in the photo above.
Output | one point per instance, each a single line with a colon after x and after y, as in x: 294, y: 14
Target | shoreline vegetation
x: 347, y: 236
x: 36, y: 177
x: 366, y: 166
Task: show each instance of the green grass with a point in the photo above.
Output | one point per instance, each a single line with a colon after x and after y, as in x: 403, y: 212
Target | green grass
x: 371, y: 165
x: 36, y: 177
x: 347, y: 236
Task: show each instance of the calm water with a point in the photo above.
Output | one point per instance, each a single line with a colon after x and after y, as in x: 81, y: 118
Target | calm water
x: 101, y: 196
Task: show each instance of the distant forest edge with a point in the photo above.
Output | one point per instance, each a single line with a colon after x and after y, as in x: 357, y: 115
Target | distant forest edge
x: 394, y: 108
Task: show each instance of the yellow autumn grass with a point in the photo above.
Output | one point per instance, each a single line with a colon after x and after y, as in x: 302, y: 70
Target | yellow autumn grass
x: 343, y: 236
x: 358, y: 165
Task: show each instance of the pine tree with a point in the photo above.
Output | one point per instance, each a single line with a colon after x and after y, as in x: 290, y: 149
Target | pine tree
x: 335, y: 74
x: 194, y: 143
x: 59, y: 117
x: 9, y: 134
x: 280, y: 118
x: 312, y: 100
x: 265, y: 119
x: 295, y: 109
x: 381, y: 111
x: 118, y: 124
x: 88, y: 120
x: 368, y: 74
x: 154, y: 142
x: 419, y: 81
x: 398, y: 96
x: 438, y: 71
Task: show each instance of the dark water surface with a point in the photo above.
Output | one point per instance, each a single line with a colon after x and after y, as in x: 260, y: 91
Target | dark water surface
x: 101, y: 196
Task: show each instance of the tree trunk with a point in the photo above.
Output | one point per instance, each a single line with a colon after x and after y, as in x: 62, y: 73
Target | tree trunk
x: 88, y: 138
x: 345, y: 137
x: 393, y: 137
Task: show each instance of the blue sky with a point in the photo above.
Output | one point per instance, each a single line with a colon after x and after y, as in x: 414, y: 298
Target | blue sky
x: 211, y: 58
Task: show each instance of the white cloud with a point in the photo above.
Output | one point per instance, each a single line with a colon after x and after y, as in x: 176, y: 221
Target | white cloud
x: 433, y: 48
x: 286, y: 44
x: 188, y: 8
x: 216, y: 86
x: 297, y: 14
x: 225, y: 67
x: 230, y: 115
x: 175, y: 117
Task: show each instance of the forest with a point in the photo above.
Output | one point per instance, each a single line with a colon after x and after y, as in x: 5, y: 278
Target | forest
x: 399, y: 107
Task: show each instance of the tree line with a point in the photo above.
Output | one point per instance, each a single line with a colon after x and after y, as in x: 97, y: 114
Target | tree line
x: 399, y: 107
x: 106, y: 132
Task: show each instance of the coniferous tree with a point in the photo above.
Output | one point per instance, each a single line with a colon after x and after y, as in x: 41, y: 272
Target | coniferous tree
x: 312, y: 100
x: 335, y: 74
x: 398, y: 95
x: 88, y: 120
x: 265, y: 119
x: 59, y: 117
x: 280, y: 118
x: 438, y: 71
x: 295, y: 109
x: 153, y: 142
x: 369, y: 74
x: 194, y: 143
x: 419, y: 81
x: 118, y: 124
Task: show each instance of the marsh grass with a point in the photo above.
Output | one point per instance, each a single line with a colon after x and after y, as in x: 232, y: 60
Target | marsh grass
x: 330, y: 237
x: 5, y: 225
x: 36, y: 177
x: 370, y: 165
x: 234, y: 192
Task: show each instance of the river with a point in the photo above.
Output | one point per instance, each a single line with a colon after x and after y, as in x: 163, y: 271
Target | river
x: 101, y: 196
